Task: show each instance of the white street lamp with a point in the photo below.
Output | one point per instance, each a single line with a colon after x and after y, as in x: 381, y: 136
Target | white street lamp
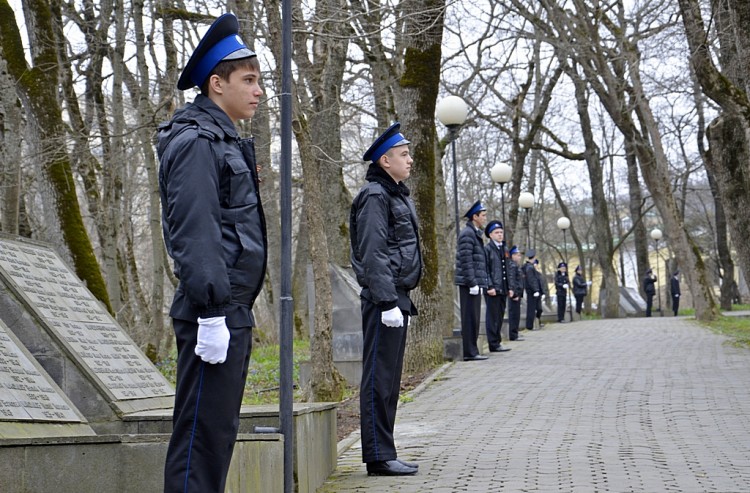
x: 656, y: 235
x: 452, y: 112
x: 501, y: 174
x: 564, y: 223
x: 526, y: 200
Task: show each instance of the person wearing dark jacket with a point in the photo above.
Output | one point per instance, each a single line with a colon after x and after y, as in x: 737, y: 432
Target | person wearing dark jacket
x: 515, y: 293
x: 674, y: 288
x: 387, y: 260
x: 533, y: 288
x: 650, y: 289
x: 497, y: 286
x: 562, y: 283
x: 215, y: 232
x: 471, y: 278
x: 580, y: 288
x: 543, y: 284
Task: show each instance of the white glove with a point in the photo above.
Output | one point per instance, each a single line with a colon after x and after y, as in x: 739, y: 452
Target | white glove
x: 213, y: 340
x: 536, y: 294
x: 677, y: 296
x: 474, y: 290
x: 565, y: 286
x: 543, y: 296
x: 392, y: 317
x: 588, y: 283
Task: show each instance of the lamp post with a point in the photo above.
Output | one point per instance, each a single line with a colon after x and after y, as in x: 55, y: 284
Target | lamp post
x: 501, y: 174
x: 564, y: 223
x: 526, y: 200
x: 452, y: 112
x: 656, y: 236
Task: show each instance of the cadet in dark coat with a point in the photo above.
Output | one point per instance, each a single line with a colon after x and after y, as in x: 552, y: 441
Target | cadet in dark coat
x: 387, y: 260
x: 533, y: 288
x: 215, y: 231
x: 515, y: 293
x: 497, y: 286
x: 580, y: 289
x: 562, y: 283
x: 674, y: 288
x: 650, y: 289
x: 471, y: 278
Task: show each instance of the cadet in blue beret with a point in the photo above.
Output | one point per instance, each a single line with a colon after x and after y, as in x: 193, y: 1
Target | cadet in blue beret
x: 387, y: 259
x: 649, y: 288
x: 533, y: 285
x: 580, y: 289
x: 496, y: 295
x: 208, y: 179
x: 515, y: 293
x: 562, y: 283
x: 471, y: 278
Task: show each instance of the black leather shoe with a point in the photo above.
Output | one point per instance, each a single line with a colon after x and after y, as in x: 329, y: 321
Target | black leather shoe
x: 478, y: 357
x: 519, y: 339
x: 499, y: 349
x: 389, y: 468
x: 413, y: 465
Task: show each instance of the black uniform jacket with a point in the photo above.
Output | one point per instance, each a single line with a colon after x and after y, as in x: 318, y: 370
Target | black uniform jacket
x: 496, y: 267
x: 384, y: 234
x: 648, y: 285
x: 579, y: 285
x: 515, y: 279
x: 560, y: 279
x: 533, y: 283
x: 471, y: 262
x: 212, y: 217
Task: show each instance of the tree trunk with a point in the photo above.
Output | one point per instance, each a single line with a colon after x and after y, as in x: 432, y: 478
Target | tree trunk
x: 37, y: 86
x: 730, y: 164
x: 635, y: 206
x: 416, y: 97
x: 602, y: 231
x: 11, y: 125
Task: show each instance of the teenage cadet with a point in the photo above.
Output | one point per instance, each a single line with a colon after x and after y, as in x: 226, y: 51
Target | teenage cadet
x: 515, y: 293
x: 561, y: 286
x: 497, y: 286
x: 471, y: 278
x: 387, y: 260
x: 215, y: 231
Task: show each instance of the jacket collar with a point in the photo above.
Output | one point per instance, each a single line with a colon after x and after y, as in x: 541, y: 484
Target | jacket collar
x: 378, y: 175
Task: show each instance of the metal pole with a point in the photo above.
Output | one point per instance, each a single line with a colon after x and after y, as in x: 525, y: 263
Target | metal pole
x: 286, y: 383
x: 567, y: 271
x: 528, y: 230
x: 502, y: 201
x: 658, y: 290
x: 454, y: 134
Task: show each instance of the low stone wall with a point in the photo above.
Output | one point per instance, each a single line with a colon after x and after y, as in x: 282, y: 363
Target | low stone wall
x: 127, y: 464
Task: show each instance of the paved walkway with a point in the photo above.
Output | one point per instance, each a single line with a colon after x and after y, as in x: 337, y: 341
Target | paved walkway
x: 632, y: 405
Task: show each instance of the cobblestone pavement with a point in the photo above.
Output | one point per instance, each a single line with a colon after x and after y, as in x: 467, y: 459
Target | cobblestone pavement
x: 630, y: 405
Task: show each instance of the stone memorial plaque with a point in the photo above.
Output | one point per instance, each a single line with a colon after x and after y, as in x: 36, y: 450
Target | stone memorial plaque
x: 79, y: 322
x: 26, y: 391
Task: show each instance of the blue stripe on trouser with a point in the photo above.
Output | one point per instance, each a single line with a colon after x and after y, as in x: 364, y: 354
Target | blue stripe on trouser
x: 195, y: 421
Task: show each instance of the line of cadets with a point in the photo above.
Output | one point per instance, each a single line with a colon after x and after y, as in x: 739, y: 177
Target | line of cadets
x: 496, y: 272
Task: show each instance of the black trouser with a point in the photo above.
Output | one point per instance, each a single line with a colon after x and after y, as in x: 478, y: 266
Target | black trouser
x: 649, y: 304
x: 206, y: 412
x: 561, y: 301
x: 471, y: 308
x: 493, y: 318
x: 514, y: 318
x: 531, y: 306
x: 382, y: 362
x: 675, y: 304
x: 579, y: 302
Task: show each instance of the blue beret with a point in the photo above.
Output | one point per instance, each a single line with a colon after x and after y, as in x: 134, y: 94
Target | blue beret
x: 531, y: 253
x: 514, y: 250
x: 390, y: 138
x: 221, y: 42
x: 562, y: 264
x: 475, y: 209
x: 492, y: 226
x: 578, y: 268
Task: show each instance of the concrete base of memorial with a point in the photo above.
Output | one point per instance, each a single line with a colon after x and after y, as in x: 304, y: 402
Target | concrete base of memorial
x: 127, y: 464
x: 134, y: 462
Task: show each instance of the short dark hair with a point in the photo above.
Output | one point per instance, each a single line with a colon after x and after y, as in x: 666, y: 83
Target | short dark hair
x: 225, y: 68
